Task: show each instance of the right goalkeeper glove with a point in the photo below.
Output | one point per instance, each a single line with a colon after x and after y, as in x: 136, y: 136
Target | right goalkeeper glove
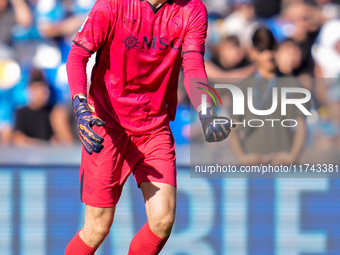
x: 85, y: 118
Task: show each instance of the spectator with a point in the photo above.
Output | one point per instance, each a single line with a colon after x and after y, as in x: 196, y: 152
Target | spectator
x: 11, y: 13
x: 230, y: 55
x: 267, y: 8
x: 278, y: 145
x: 11, y: 92
x: 326, y: 53
x: 35, y: 123
x: 289, y: 57
x: 305, y: 22
x: 328, y: 9
x: 59, y: 21
x: 228, y: 60
x: 10, y: 97
x: 326, y: 128
x: 240, y: 22
x: 217, y: 7
x: 55, y: 23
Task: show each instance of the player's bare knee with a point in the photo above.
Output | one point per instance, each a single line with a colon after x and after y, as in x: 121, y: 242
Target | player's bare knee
x: 162, y: 225
x: 102, y: 225
x: 97, y: 229
x: 98, y: 222
x: 102, y: 230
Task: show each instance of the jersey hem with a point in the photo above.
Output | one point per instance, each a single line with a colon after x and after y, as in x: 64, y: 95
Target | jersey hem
x: 99, y: 205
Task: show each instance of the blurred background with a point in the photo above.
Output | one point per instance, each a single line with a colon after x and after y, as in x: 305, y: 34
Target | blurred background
x: 40, y: 209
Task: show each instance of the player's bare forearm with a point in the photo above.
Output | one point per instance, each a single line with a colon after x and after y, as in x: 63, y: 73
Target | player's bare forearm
x: 299, y: 138
x: 244, y: 158
x: 236, y: 146
x: 291, y: 157
x: 20, y: 139
x: 23, y: 14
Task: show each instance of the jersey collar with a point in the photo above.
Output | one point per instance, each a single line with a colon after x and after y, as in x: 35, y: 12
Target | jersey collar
x: 155, y: 10
x: 169, y: 1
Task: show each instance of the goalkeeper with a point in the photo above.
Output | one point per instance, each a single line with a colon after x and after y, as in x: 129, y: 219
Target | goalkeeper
x: 123, y: 121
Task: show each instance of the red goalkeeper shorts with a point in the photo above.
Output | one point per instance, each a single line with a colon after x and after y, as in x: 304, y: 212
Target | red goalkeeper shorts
x: 151, y: 158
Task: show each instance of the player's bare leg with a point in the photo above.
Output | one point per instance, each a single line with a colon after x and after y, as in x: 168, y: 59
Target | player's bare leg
x: 160, y: 205
x: 96, y: 227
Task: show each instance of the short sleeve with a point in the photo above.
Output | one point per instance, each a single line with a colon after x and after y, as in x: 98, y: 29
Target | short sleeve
x: 96, y: 28
x: 194, y: 40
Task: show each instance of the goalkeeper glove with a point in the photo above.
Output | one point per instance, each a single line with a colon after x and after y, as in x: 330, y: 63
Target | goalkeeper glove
x: 85, y: 118
x: 215, y: 129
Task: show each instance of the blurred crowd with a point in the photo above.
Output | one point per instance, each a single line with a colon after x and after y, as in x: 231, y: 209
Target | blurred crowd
x: 35, y: 39
x: 36, y: 36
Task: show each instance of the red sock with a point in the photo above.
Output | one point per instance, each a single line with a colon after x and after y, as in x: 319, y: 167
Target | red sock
x: 146, y: 243
x: 78, y: 247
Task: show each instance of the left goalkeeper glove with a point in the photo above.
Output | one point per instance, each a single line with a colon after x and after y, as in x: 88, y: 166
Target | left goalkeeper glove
x: 215, y: 129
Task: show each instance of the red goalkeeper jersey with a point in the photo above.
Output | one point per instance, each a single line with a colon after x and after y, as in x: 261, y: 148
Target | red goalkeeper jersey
x: 139, y: 50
